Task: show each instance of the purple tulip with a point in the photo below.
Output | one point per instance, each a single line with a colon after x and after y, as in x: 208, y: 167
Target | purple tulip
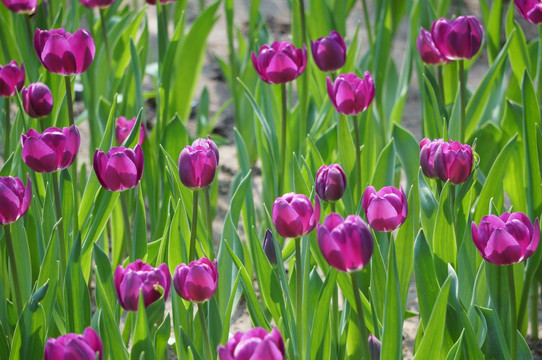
x: 269, y: 247
x: 347, y: 244
x: 124, y: 127
x: 197, y: 281
x: 74, y: 347
x: 374, y: 347
x: 280, y: 63
x: 330, y: 182
x: 101, y: 4
x: 531, y: 10
x: 37, y: 100
x: 446, y: 160
x: 120, y: 169
x: 64, y: 53
x: 386, y: 209
x: 294, y: 216
x: 54, y: 149
x: 208, y: 144
x: 507, y: 239
x: 255, y: 344
x: 14, y: 197
x: 21, y: 6
x: 137, y: 277
x: 428, y: 50
x: 351, y: 95
x: 197, y: 166
x: 153, y: 2
x: 329, y: 52
x: 11, y: 78
x: 459, y: 38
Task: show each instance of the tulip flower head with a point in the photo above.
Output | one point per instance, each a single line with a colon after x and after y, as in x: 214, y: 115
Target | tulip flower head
x: 197, y: 166
x: 459, y: 38
x: 124, y: 128
x: 14, y: 197
x: 120, y: 169
x: 374, y: 346
x: 75, y: 347
x: 64, y: 53
x: 330, y: 182
x: 11, y: 79
x: 197, y: 281
x: 329, y: 52
x: 294, y: 216
x: 100, y: 4
x: 139, y: 276
x: 386, y: 209
x: 531, y: 10
x: 153, y: 2
x: 506, y: 239
x: 347, y: 244
x: 446, y: 160
x: 351, y: 95
x: 27, y: 7
x: 37, y: 100
x: 208, y: 144
x: 280, y: 63
x: 269, y: 247
x: 253, y: 345
x: 428, y: 50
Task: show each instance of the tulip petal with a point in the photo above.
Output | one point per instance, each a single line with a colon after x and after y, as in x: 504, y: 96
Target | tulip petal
x: 82, y: 46
x: 58, y: 57
x: 502, y: 248
x: 39, y: 156
x: 381, y: 215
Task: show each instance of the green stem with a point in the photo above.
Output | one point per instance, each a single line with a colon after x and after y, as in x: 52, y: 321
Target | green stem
x: 367, y: 23
x: 7, y: 104
x: 463, y: 95
x: 58, y: 208
x: 303, y: 21
x: 16, y: 283
x: 513, y: 309
x: 73, y: 167
x: 208, y: 216
x: 452, y: 211
x: 194, y: 228
x: 358, y: 157
x: 126, y: 221
x: 533, y: 308
x: 208, y: 352
x: 299, y: 297
x: 529, y: 272
x: 69, y: 99
x: 335, y: 319
x: 361, y: 320
x: 440, y: 80
x: 539, y: 76
x: 282, y: 174
x: 332, y: 206
x: 104, y: 31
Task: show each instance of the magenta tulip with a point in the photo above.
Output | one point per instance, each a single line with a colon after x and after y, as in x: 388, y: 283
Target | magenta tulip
x: 506, y: 239
x: 428, y: 50
x: 120, y: 169
x: 330, y: 182
x: 11, y: 79
x: 208, y: 144
x: 351, y: 95
x: 293, y: 215
x: 14, y: 197
x: 37, y: 100
x: 446, y: 160
x: 329, y: 52
x: 124, y: 127
x: 280, y: 63
x: 101, y: 4
x: 197, y: 166
x: 64, y: 53
x: 197, y: 281
x: 386, y: 209
x: 459, y: 38
x: 27, y: 7
x: 347, y: 245
x: 255, y: 344
x: 531, y: 10
x: 75, y: 347
x: 138, y: 276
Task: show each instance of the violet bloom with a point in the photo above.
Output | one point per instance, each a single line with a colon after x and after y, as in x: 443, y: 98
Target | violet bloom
x: 54, y: 149
x: 506, y: 239
x: 351, y: 95
x: 347, y: 244
x: 255, y: 344
x: 37, y: 100
x: 459, y: 38
x: 208, y: 144
x: 294, y: 216
x: 139, y: 276
x: 100, y: 4
x: 374, y: 347
x: 446, y: 160
x: 280, y: 63
x: 197, y: 166
x: 64, y: 53
x: 428, y: 50
x: 531, y: 10
x: 27, y: 7
x: 197, y: 281
x: 329, y: 53
x: 124, y: 127
x: 269, y: 247
x: 75, y: 347
x: 330, y: 182
x: 11, y: 79
x: 120, y: 169
x: 14, y: 197
x: 386, y: 209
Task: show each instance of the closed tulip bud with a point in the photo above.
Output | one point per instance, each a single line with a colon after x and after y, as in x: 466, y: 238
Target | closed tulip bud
x: 124, y: 128
x: 506, y: 239
x: 54, y: 149
x: 329, y: 52
x: 14, y: 197
x: 27, y: 7
x: 197, y: 166
x: 330, y: 182
x: 255, y: 344
x: 197, y: 281
x: 347, y: 244
x: 208, y: 144
x: 120, y: 169
x: 63, y: 53
x: 37, y: 100
x: 280, y: 63
x: 11, y: 79
x: 269, y: 247
x: 446, y: 160
x: 428, y: 50
x: 75, y: 347
x: 459, y: 38
x: 374, y: 347
x: 351, y: 95
x: 386, y: 209
x: 294, y: 216
x: 531, y: 10
x: 141, y: 277
x: 101, y: 4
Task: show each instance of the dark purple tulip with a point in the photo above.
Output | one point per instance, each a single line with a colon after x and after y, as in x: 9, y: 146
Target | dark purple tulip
x: 101, y: 4
x: 386, y: 209
x: 197, y: 166
x: 347, y: 245
x: 64, y: 53
x: 37, y: 100
x: 208, y: 144
x: 329, y: 53
x: 137, y: 277
x: 459, y: 38
x: 531, y: 10
x: 75, y: 347
x: 54, y: 149
x: 374, y: 347
x: 351, y: 95
x: 197, y: 281
x: 124, y: 127
x: 255, y: 344
x: 11, y: 79
x: 21, y: 6
x: 120, y: 169
x: 280, y: 63
x: 446, y: 160
x: 294, y: 216
x: 269, y: 247
x: 507, y: 239
x: 153, y: 2
x: 14, y: 197
x: 428, y: 50
x: 330, y: 182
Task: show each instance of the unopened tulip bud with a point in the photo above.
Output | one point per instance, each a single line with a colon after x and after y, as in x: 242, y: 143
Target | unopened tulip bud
x: 197, y: 281
x: 37, y: 100
x: 386, y: 209
x: 351, y: 95
x: 11, y: 79
x: 330, y: 182
x: 459, y: 38
x: 294, y: 216
x: 329, y: 52
x: 120, y: 169
x: 269, y: 247
x: 197, y: 166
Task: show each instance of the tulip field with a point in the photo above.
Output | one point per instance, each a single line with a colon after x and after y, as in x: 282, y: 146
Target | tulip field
x: 141, y: 213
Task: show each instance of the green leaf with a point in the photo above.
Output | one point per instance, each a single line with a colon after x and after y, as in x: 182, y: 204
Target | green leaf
x: 393, y: 314
x: 142, y: 341
x: 140, y: 227
x: 426, y: 280
x: 409, y: 153
x: 429, y: 207
x: 161, y: 338
x: 495, y: 345
x: 29, y: 335
x: 444, y: 241
x: 76, y: 295
x: 384, y: 171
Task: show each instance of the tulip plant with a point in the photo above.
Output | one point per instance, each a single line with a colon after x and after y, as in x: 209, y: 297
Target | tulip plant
x: 398, y: 157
